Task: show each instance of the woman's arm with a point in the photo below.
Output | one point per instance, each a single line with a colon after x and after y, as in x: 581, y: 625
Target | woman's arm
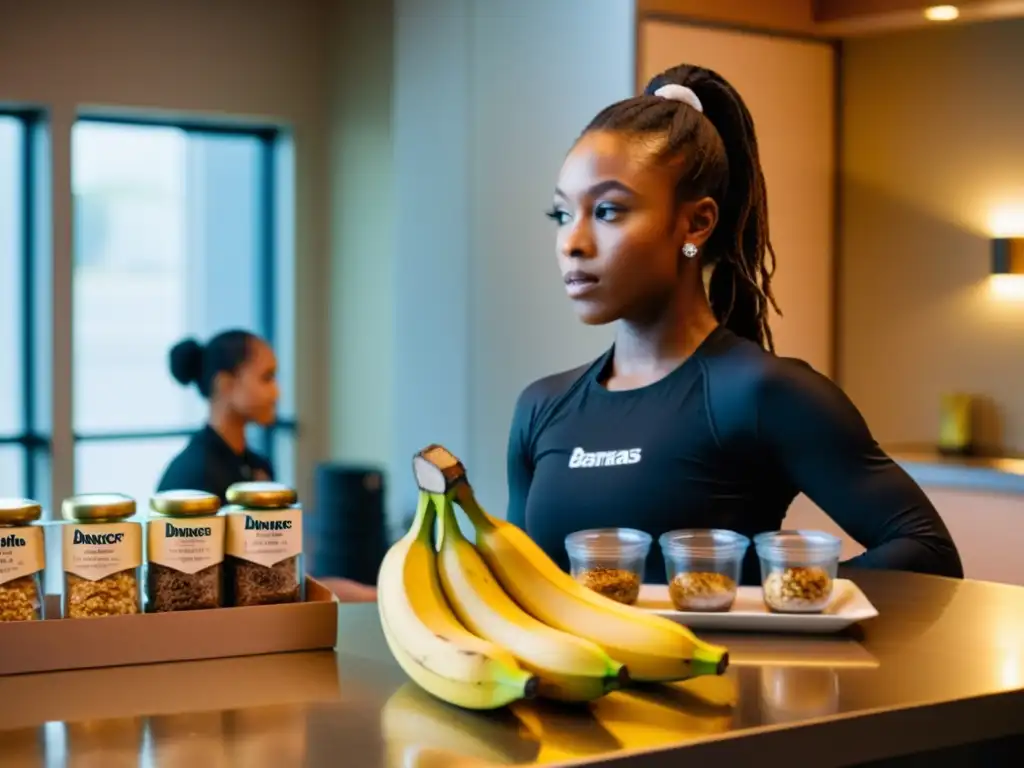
x: 519, y: 465
x: 822, y: 442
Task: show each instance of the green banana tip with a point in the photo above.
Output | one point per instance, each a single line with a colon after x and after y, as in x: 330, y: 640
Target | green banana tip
x: 702, y: 665
x: 617, y: 680
x: 531, y: 688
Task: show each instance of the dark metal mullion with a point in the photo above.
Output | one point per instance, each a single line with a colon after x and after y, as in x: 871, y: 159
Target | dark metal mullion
x: 189, y: 126
x: 110, y: 437
x: 267, y: 287
x: 28, y: 297
x: 14, y: 440
x: 28, y: 441
x: 113, y: 437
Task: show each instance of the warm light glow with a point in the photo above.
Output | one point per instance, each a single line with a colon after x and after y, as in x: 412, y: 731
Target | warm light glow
x: 1011, y: 675
x: 941, y: 13
x: 1007, y: 287
x: 1007, y: 221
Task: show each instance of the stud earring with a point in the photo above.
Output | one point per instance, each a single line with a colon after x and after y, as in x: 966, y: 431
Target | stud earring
x: 689, y: 250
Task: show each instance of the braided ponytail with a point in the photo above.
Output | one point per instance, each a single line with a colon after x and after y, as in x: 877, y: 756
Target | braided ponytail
x: 718, y: 146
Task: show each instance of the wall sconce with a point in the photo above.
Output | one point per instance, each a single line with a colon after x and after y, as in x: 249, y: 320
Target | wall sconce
x: 1008, y: 256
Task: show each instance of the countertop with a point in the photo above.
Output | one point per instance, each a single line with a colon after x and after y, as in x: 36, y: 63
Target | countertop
x: 987, y: 473
x: 942, y: 665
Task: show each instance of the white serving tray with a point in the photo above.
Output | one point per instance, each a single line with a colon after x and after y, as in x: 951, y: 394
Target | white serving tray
x: 848, y: 605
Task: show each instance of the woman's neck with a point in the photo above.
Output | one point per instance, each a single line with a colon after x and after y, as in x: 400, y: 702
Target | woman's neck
x: 230, y: 428
x: 646, y: 351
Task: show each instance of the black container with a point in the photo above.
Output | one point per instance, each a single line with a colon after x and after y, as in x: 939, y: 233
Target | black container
x: 346, y: 534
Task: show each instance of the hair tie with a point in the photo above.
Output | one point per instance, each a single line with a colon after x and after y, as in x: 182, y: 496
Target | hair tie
x: 676, y: 92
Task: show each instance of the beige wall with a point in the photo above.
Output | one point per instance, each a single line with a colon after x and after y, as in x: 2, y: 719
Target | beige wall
x: 480, y: 132
x: 933, y: 126
x: 253, y: 59
x: 440, y: 172
x: 788, y: 85
x: 361, y: 310
x: 988, y: 529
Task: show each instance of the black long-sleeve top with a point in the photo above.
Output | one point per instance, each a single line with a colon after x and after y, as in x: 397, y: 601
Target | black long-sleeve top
x: 727, y: 440
x: 209, y: 464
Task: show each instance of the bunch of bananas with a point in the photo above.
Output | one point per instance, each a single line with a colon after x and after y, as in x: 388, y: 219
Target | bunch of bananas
x: 481, y: 626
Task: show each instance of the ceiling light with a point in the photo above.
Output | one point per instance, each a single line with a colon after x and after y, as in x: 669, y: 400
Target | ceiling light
x: 942, y: 13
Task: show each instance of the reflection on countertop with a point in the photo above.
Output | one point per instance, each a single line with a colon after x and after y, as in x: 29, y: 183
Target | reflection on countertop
x: 986, y: 472
x: 953, y: 648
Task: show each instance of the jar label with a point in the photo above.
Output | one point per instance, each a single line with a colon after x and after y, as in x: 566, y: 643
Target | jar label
x: 187, y: 546
x: 96, y: 550
x: 22, y: 552
x: 265, y: 538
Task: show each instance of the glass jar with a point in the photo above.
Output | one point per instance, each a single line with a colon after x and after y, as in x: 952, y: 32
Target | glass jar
x: 609, y: 561
x: 102, y: 556
x: 263, y: 561
x: 703, y: 567
x: 798, y: 569
x: 185, y: 548
x: 22, y: 560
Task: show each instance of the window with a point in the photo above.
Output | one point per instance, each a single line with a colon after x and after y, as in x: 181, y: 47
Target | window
x: 175, y: 235
x: 11, y: 265
x: 12, y: 470
x: 21, y: 445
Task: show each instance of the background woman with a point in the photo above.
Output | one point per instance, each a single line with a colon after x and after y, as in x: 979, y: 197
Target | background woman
x: 236, y: 372
x: 690, y: 420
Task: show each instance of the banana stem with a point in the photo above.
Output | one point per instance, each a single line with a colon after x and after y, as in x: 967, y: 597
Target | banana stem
x: 426, y: 512
x: 449, y: 526
x: 465, y: 498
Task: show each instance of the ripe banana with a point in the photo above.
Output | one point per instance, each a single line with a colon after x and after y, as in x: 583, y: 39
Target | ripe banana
x: 653, y: 648
x: 426, y: 638
x: 569, y: 668
x: 485, y: 694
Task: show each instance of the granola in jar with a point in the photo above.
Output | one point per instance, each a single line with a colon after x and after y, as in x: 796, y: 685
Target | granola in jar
x: 619, y: 584
x: 702, y: 591
x: 185, y: 546
x: 264, y: 545
x: 609, y: 561
x: 798, y: 589
x: 22, y: 560
x: 102, y: 556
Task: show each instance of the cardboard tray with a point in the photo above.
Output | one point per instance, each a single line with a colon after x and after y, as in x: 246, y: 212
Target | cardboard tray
x: 150, y: 638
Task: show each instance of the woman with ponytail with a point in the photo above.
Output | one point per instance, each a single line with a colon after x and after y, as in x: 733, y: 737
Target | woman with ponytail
x: 690, y: 420
x: 236, y: 373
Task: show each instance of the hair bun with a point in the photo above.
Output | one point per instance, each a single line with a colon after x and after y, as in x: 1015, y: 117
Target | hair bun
x: 187, y: 361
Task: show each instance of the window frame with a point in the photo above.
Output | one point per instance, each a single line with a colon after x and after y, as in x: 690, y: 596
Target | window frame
x: 267, y: 299
x: 31, y: 438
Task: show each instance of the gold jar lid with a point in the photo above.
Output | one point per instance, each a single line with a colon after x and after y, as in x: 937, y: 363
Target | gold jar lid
x: 98, y: 506
x: 19, y: 511
x: 262, y: 495
x: 185, y: 503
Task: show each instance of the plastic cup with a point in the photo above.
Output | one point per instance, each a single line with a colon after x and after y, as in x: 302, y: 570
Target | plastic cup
x: 703, y: 567
x: 798, y: 569
x: 609, y: 561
